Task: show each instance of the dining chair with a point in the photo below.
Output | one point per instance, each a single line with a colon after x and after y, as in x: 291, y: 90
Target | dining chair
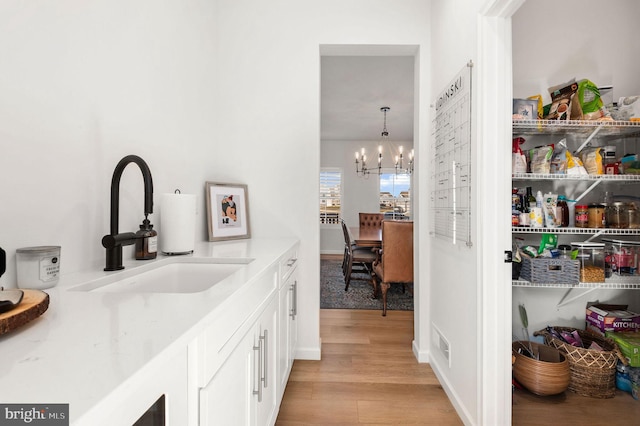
x: 394, y: 264
x: 356, y: 259
x: 371, y: 220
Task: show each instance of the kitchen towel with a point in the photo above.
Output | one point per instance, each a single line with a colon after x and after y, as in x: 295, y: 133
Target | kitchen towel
x: 177, y: 223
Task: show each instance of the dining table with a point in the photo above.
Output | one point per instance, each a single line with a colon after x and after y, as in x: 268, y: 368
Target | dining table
x: 366, y: 237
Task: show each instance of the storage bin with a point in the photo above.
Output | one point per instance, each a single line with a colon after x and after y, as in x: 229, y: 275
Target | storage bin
x: 592, y: 371
x: 621, y: 257
x: 550, y: 271
x: 591, y: 258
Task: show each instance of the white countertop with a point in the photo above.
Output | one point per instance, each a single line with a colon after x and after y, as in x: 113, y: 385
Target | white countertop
x: 87, y: 344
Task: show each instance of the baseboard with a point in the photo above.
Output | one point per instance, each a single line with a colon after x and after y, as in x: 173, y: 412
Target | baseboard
x: 421, y: 356
x: 311, y: 354
x: 454, y: 398
x: 332, y: 252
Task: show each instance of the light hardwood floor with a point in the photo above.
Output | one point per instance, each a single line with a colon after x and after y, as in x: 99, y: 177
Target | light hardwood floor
x: 368, y: 375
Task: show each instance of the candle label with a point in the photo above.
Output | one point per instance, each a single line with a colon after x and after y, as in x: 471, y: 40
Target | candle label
x: 49, y: 268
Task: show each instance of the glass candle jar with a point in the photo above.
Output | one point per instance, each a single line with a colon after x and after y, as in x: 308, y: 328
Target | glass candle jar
x: 38, y: 267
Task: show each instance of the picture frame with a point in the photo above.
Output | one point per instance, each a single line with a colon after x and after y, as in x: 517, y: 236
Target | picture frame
x: 227, y: 211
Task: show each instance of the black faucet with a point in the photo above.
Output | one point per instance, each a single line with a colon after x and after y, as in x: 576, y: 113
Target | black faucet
x: 114, y: 241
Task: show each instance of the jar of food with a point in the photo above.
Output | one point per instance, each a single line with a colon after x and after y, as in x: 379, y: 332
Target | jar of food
x: 595, y: 216
x: 591, y: 257
x: 617, y: 215
x: 582, y: 218
x: 634, y: 216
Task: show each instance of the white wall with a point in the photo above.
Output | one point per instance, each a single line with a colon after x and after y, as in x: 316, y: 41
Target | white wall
x: 225, y: 91
x: 360, y: 194
x: 269, y: 109
x: 455, y: 280
x: 82, y: 84
x: 604, y: 51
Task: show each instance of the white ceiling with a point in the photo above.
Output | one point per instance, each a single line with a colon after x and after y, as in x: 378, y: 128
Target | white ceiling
x: 354, y: 88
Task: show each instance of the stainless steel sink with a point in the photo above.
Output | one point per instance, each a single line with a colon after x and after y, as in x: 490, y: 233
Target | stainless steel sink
x: 185, y: 275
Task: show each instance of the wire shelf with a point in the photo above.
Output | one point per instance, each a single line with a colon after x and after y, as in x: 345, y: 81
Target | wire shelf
x: 590, y: 231
x: 614, y: 284
x: 604, y: 128
x: 543, y: 176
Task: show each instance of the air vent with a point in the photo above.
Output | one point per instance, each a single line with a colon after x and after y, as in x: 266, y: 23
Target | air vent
x: 443, y: 345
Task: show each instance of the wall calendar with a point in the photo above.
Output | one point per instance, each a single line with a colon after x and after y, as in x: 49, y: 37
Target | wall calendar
x: 451, y: 161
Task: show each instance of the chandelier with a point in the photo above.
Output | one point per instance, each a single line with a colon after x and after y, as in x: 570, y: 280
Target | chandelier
x: 363, y: 169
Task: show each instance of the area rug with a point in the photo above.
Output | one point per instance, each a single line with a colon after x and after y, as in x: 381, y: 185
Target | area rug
x: 360, y: 293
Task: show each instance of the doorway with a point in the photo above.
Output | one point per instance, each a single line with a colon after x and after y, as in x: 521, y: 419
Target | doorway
x: 356, y: 82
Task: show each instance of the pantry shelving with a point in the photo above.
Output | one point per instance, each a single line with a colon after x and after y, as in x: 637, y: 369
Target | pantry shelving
x: 581, y: 134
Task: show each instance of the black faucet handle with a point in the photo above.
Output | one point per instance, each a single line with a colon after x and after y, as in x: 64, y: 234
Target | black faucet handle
x: 123, y: 239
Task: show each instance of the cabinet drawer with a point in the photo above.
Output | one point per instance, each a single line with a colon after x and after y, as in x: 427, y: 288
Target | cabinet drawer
x: 288, y: 263
x: 218, y: 341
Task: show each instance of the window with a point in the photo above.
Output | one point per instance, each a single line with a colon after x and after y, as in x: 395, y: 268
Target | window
x: 395, y: 195
x: 330, y: 195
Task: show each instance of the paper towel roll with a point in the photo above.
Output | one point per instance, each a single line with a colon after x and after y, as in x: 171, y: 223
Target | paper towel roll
x: 177, y: 223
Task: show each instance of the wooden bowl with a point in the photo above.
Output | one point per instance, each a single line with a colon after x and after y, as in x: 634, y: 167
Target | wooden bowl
x: 547, y: 375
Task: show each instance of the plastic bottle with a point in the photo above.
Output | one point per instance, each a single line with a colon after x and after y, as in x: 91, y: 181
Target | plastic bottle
x: 539, y: 199
x: 539, y: 210
x: 147, y: 241
x: 563, y: 210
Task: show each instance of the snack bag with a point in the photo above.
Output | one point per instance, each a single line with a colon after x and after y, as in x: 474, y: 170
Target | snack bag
x: 575, y: 166
x: 562, y: 105
x: 540, y: 159
x: 588, y: 96
x: 558, y: 165
x: 548, y: 241
x: 592, y: 160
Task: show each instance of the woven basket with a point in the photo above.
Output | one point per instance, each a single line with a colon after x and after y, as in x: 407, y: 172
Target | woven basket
x: 552, y: 271
x: 593, y: 372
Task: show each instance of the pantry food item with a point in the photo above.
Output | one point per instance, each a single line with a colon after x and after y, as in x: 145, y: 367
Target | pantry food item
x: 518, y: 159
x: 524, y: 109
x: 628, y: 107
x: 596, y: 216
x: 592, y: 160
x: 588, y: 96
x: 562, y: 106
x: 539, y: 105
x: 540, y: 159
x: 582, y: 216
x: 591, y: 257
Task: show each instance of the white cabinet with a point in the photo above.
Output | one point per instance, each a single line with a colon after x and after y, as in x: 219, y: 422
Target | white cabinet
x: 287, y: 319
x: 241, y: 362
x: 243, y: 390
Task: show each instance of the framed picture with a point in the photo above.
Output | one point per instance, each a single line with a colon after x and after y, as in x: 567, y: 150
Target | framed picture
x: 227, y: 211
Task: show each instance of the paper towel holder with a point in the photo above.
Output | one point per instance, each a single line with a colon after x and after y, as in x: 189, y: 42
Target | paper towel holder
x: 180, y: 217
